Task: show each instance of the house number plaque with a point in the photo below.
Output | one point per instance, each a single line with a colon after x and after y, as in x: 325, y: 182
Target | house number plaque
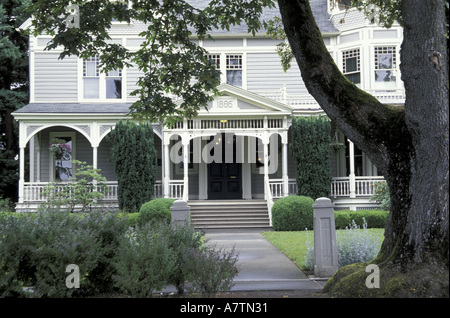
x: 225, y: 104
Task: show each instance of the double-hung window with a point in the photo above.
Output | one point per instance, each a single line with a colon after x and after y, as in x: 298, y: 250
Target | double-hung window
x: 232, y: 67
x: 91, y: 78
x: 97, y: 85
x: 351, y: 65
x: 385, y: 66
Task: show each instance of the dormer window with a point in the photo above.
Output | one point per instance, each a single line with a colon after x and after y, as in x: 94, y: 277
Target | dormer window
x: 98, y: 85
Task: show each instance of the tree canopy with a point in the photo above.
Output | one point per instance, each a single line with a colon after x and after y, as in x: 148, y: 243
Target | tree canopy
x: 174, y: 67
x: 13, y: 89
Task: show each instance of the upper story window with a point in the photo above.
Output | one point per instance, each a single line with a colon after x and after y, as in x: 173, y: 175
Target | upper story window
x: 234, y: 70
x: 385, y: 65
x: 91, y: 78
x: 351, y: 65
x: 232, y: 67
x: 98, y: 85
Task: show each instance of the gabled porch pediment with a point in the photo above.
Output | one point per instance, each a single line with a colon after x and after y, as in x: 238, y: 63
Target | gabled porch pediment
x: 236, y: 102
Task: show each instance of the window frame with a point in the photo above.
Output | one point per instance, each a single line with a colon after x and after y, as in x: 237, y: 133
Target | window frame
x: 385, y: 49
x: 222, y: 58
x: 102, y: 85
x: 358, y: 63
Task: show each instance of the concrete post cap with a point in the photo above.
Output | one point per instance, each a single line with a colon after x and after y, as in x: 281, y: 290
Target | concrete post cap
x: 323, y: 202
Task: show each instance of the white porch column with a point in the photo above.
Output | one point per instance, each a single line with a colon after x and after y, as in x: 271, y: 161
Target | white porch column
x: 166, y: 165
x: 266, y: 163
x: 352, y: 178
x: 94, y: 157
x: 21, y: 174
x: 22, y: 145
x: 284, y: 169
x: 185, y: 143
x: 38, y: 157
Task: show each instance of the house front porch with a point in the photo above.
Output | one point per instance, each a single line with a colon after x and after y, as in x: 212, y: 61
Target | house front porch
x: 347, y: 193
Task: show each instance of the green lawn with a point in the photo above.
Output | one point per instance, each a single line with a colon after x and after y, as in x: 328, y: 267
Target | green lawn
x: 294, y: 244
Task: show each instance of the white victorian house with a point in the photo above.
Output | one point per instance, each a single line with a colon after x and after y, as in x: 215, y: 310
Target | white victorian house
x: 72, y: 100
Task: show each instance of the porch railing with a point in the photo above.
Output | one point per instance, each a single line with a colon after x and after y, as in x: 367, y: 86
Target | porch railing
x: 176, y: 189
x: 394, y: 96
x: 363, y: 186
x: 38, y: 191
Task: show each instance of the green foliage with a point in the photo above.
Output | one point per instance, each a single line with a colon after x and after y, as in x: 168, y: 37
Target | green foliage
x: 145, y: 261
x: 293, y: 213
x: 82, y: 190
x: 135, y: 163
x: 6, y: 205
x: 373, y: 218
x: 309, y: 144
x: 169, y: 60
x: 355, y: 244
x: 275, y: 30
x: 156, y: 210
x: 212, y: 270
x: 13, y: 89
x: 382, y: 196
x: 35, y: 250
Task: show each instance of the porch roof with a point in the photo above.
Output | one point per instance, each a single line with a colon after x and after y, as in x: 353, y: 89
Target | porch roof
x: 74, y: 108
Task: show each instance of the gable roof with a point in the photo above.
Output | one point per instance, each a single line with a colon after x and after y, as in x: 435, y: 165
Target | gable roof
x: 318, y: 7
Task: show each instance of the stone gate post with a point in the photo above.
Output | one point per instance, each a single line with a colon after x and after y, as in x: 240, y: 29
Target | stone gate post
x: 325, y: 246
x: 180, y: 212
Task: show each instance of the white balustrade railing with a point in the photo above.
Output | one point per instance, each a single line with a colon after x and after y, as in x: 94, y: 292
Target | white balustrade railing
x: 394, y: 96
x: 364, y: 186
x: 176, y: 188
x: 38, y: 191
x: 276, y: 187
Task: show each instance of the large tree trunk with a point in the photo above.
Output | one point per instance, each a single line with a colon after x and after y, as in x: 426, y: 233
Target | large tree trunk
x: 409, y: 145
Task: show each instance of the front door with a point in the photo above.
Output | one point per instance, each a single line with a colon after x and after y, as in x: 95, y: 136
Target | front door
x: 224, y: 178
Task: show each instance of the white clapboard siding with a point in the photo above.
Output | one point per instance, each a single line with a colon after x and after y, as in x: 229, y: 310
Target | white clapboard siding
x: 133, y: 74
x: 264, y: 73
x: 55, y: 80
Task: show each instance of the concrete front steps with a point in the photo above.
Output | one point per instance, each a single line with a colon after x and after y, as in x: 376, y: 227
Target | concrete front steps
x: 229, y: 214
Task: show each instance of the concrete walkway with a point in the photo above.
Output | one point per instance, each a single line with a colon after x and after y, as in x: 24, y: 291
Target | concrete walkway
x: 261, y: 265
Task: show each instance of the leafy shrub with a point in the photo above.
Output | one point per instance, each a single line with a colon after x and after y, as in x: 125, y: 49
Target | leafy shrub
x: 293, y: 213
x: 136, y: 173
x: 182, y: 238
x: 212, y: 269
x: 87, y: 186
x: 373, y: 218
x: 309, y: 145
x: 36, y: 249
x: 354, y: 245
x: 156, y: 210
x: 145, y: 261
x: 6, y: 205
x: 381, y: 195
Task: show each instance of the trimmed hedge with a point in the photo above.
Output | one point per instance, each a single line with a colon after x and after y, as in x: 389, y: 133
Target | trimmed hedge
x: 156, y: 210
x: 374, y: 218
x: 293, y: 213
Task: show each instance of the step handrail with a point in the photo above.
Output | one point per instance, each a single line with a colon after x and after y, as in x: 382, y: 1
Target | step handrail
x: 269, y: 198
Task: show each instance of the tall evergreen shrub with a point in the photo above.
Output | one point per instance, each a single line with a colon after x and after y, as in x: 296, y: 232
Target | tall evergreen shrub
x: 309, y: 144
x: 135, y: 163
